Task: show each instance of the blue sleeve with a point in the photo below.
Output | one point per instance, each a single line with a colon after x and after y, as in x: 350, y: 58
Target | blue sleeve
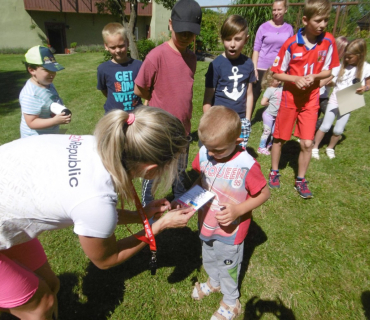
x: 102, y: 85
x: 252, y: 75
x: 211, y: 76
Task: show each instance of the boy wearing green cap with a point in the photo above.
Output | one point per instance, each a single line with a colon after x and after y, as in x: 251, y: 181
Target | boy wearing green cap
x: 39, y: 93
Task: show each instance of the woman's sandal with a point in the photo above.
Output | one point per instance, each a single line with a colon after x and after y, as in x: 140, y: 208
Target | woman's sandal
x: 226, y: 312
x: 201, y: 293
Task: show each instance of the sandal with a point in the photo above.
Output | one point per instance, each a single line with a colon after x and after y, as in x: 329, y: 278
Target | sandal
x: 226, y: 312
x: 201, y: 293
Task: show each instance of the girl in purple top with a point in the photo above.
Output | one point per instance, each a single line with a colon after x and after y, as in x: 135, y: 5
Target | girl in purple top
x: 269, y: 38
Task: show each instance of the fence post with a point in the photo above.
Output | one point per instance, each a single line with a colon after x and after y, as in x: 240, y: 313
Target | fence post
x: 336, y: 19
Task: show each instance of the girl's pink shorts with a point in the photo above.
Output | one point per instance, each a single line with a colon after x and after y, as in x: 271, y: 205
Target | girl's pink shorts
x: 18, y: 282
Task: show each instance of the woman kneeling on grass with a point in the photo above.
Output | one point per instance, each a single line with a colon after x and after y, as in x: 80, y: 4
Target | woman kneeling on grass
x: 54, y: 181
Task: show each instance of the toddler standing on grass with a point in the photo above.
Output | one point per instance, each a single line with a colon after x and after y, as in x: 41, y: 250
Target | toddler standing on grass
x: 235, y: 178
x: 271, y: 99
x: 39, y: 93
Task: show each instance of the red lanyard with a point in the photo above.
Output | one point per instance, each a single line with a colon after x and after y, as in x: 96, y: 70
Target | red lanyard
x: 149, y: 238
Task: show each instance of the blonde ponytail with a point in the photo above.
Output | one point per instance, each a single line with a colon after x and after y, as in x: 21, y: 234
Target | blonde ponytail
x: 155, y: 137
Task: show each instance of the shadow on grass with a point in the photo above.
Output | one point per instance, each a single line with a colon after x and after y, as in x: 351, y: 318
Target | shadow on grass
x: 255, y: 237
x: 11, y: 84
x: 256, y: 308
x: 289, y: 155
x: 258, y: 115
x: 365, y: 299
x: 103, y: 290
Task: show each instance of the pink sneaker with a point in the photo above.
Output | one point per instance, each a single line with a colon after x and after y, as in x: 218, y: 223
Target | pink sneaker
x: 263, y: 151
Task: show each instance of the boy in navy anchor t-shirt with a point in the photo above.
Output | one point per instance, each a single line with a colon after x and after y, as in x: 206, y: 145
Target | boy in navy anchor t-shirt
x: 230, y: 76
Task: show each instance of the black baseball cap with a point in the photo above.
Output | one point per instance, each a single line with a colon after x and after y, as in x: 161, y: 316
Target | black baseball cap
x: 186, y: 15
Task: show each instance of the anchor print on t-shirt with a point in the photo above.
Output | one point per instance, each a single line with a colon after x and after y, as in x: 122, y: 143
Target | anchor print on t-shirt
x: 237, y: 90
x: 124, y: 87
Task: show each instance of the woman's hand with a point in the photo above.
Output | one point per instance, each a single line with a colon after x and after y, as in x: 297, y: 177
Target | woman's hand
x: 177, y: 218
x: 256, y: 74
x: 156, y: 208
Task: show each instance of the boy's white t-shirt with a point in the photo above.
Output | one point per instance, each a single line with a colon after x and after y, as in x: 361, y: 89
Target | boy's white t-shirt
x: 53, y: 181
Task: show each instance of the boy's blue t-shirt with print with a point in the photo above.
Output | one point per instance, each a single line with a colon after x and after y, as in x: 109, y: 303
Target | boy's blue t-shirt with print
x: 118, y: 80
x: 230, y: 78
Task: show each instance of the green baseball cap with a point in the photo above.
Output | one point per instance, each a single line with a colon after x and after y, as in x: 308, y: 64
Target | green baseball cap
x: 42, y: 56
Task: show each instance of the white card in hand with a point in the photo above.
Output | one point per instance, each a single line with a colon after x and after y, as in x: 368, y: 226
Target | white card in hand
x: 196, y: 197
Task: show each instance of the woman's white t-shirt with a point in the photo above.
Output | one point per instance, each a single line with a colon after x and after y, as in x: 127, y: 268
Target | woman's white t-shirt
x: 50, y: 182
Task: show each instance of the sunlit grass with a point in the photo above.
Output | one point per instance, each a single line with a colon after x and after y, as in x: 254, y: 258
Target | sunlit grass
x: 303, y: 259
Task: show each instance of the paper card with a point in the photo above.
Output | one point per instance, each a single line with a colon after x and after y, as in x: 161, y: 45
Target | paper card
x: 349, y: 100
x: 196, y: 197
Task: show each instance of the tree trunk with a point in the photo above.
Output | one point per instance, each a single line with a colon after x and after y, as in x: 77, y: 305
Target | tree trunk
x: 130, y: 27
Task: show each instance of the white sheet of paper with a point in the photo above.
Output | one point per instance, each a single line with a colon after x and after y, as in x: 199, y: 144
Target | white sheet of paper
x: 349, y: 100
x: 196, y: 197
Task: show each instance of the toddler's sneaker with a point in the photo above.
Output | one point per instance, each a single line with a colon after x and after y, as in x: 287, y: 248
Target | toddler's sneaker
x: 330, y: 153
x: 226, y: 312
x: 263, y: 151
x: 274, y: 181
x: 315, y: 154
x: 301, y: 187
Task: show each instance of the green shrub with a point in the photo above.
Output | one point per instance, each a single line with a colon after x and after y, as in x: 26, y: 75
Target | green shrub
x: 107, y: 56
x: 73, y: 44
x: 364, y: 34
x: 163, y: 37
x: 144, y: 46
x: 90, y: 48
x: 13, y: 50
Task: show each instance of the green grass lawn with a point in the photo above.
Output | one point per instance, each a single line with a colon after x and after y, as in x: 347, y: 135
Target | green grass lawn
x: 304, y: 259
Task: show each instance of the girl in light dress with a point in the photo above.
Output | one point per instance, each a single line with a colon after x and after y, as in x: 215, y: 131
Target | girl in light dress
x: 353, y: 69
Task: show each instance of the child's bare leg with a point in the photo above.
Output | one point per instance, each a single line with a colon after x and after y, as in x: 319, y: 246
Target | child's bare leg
x: 276, y: 153
x: 304, y: 157
x: 318, y: 138
x: 333, y: 141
